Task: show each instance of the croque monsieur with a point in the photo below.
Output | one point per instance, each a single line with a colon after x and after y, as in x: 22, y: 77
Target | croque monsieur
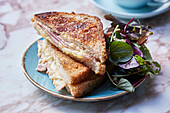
x: 66, y: 72
x: 78, y: 35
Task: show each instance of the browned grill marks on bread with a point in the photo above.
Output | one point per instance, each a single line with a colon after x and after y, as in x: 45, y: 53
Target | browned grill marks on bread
x: 83, y: 30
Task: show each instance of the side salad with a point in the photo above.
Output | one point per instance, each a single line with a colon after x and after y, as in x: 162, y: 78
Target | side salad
x: 128, y: 57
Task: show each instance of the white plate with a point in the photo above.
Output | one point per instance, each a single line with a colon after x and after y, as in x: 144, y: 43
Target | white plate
x: 109, y: 6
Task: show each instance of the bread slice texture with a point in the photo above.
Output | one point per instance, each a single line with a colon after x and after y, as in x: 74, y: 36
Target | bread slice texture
x: 78, y: 35
x: 65, y: 71
x: 78, y: 90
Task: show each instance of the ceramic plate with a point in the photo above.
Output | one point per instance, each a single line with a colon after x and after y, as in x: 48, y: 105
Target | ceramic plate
x: 109, y: 6
x: 42, y: 81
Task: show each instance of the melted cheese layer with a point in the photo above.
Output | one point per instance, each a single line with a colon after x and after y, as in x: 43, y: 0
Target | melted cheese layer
x: 52, y: 70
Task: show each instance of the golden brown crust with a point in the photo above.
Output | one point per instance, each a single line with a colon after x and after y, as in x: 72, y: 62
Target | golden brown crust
x: 79, y: 28
x: 78, y: 90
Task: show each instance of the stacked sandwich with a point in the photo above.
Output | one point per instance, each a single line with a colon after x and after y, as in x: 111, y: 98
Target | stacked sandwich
x: 73, y: 51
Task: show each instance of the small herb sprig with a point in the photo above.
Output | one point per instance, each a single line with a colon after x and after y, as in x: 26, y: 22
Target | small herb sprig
x: 127, y: 54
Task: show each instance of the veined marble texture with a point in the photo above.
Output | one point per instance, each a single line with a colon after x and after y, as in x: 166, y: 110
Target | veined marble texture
x: 18, y: 95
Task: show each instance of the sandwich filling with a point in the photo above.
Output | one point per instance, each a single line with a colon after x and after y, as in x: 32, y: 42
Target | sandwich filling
x: 47, y: 62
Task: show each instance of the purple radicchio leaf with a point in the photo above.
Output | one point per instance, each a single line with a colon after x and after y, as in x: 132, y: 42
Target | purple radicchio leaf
x: 137, y: 51
x: 130, y: 64
x: 134, y: 83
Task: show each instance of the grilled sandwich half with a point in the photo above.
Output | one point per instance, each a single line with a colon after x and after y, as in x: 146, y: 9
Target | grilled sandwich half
x: 77, y: 35
x: 66, y: 72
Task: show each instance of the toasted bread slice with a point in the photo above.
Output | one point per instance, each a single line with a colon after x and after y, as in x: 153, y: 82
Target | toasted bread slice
x: 77, y: 35
x: 78, y: 90
x: 65, y: 71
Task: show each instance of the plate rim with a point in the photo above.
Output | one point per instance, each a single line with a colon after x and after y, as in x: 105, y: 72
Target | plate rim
x: 94, y: 99
x: 130, y: 15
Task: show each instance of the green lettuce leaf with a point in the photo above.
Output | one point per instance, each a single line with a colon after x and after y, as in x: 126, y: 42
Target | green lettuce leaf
x: 125, y: 85
x: 140, y: 60
x: 158, y: 66
x: 120, y: 52
x: 146, y: 53
x: 122, y: 84
x: 151, y: 75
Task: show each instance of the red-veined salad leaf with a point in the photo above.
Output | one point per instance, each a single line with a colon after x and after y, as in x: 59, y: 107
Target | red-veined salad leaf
x: 127, y: 53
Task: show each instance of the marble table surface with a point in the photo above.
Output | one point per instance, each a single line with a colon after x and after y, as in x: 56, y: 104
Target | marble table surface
x: 18, y: 95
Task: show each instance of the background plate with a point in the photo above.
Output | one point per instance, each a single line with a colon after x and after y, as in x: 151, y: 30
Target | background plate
x: 42, y: 81
x: 109, y: 6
